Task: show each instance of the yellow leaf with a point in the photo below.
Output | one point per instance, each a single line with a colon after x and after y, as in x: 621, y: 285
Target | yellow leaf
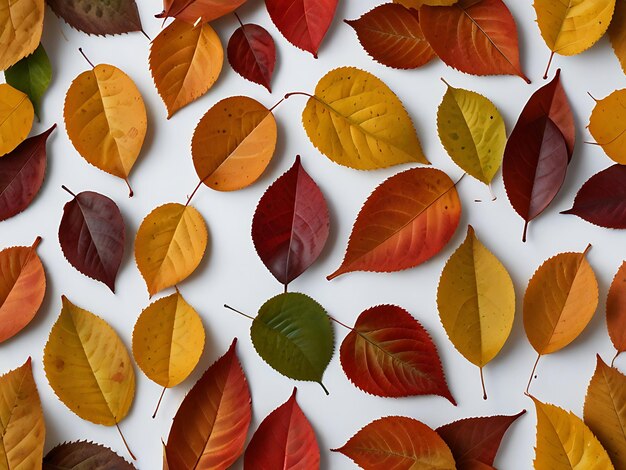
x: 169, y: 246
x: 22, y: 427
x: 106, y: 119
x: 88, y: 366
x: 357, y: 121
x: 472, y: 131
x: 564, y: 442
x: 16, y: 118
x: 185, y: 61
x: 168, y: 340
x: 21, y: 25
x: 617, y: 32
x: 607, y: 127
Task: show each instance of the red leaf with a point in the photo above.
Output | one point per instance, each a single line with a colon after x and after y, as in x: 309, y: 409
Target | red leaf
x: 290, y: 224
x: 284, y: 440
x: 616, y: 310
x: 390, y: 354
x: 392, y: 35
x: 474, y: 442
x: 210, y: 427
x: 92, y: 236
x: 534, y: 166
x: 252, y: 54
x: 602, y: 199
x: 304, y: 23
x: 474, y: 36
x: 192, y: 11
x: 21, y: 174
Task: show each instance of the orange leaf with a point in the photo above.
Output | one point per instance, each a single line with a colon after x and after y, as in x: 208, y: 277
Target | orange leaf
x: 194, y: 11
x: 616, y: 310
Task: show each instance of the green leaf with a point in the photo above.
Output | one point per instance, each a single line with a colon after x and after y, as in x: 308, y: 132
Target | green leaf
x: 293, y: 334
x: 31, y: 75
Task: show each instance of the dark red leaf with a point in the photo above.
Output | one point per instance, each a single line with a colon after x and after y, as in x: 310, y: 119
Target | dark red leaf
x: 390, y: 354
x: 284, y: 440
x: 21, y: 174
x: 534, y: 166
x: 252, y: 54
x: 290, y: 225
x: 92, y: 236
x: 304, y: 23
x: 99, y: 17
x: 192, y: 11
x: 84, y: 455
x: 474, y: 442
x: 602, y: 199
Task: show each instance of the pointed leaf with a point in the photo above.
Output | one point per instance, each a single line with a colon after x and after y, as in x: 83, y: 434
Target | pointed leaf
x: 617, y: 32
x: 99, y: 17
x: 407, y: 220
x: 390, y: 354
x: 80, y: 455
x: 210, y: 427
x: 284, y: 439
x: 88, y: 366
x: 32, y: 76
x: 357, y: 121
x: 290, y: 225
x: 616, y: 310
x: 198, y: 11
x: 606, y: 125
x: 16, y: 118
x: 252, y: 54
x: 21, y: 24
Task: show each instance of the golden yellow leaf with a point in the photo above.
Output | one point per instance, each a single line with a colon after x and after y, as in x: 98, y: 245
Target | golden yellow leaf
x: 233, y: 143
x: 185, y: 61
x: 564, y: 442
x: 88, y: 366
x: 472, y: 131
x: 106, y: 119
x: 168, y: 340
x: 607, y: 125
x: 357, y: 121
x: 617, y: 32
x: 169, y: 246
x: 21, y: 25
x: 22, y: 427
x: 16, y: 118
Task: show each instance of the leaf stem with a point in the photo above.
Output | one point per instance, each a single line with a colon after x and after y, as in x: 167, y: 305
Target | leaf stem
x: 592, y: 97
x: 159, y: 403
x: 80, y: 49
x: 293, y: 93
x: 68, y: 190
x: 340, y: 323
x: 239, y: 312
x: 131, y: 193
x: 587, y: 249
x: 493, y: 195
x: 276, y: 105
x: 615, y: 357
x: 238, y: 19
x: 525, y: 231
x: 324, y: 388
x: 195, y: 191
x: 545, y: 75
x: 124, y: 441
x: 447, y: 84
x: 482, y: 381
x: 38, y: 241
x: 532, y: 374
x: 146, y: 35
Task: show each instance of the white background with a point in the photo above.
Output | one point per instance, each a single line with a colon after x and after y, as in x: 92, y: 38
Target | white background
x: 231, y: 271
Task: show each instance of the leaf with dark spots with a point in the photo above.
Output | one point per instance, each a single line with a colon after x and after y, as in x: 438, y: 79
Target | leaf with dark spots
x: 99, y: 17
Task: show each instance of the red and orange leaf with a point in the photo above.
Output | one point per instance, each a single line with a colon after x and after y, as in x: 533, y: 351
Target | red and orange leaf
x: 616, y: 310
x: 194, y: 11
x: 252, y: 54
x: 390, y: 354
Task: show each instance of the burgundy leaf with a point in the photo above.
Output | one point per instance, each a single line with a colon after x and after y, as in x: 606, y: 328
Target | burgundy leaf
x: 21, y: 174
x: 84, y: 455
x: 252, y: 54
x: 290, y: 225
x: 92, y: 236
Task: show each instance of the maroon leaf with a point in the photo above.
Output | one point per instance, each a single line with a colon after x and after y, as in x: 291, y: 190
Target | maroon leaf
x: 474, y: 442
x: 390, y: 354
x: 290, y: 225
x: 99, y: 17
x: 92, y: 236
x: 252, y: 54
x: 21, y: 174
x: 285, y: 439
x: 84, y: 455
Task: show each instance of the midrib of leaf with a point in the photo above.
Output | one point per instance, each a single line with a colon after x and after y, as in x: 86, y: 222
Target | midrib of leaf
x: 614, y: 406
x: 558, y: 437
x: 195, y: 47
x: 13, y: 110
x: 293, y: 221
x: 466, y: 126
x: 174, y: 238
x: 91, y: 238
x: 37, y: 147
x: 373, y: 450
x: 13, y: 407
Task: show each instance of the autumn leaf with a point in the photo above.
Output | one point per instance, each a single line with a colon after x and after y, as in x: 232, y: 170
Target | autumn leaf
x: 185, y: 62
x: 92, y: 235
x: 21, y: 23
x: 565, y: 442
x: 617, y: 32
x: 388, y: 353
x: 304, y: 24
x: 293, y: 334
x: 198, y: 11
x: 32, y: 76
x: 16, y: 118
x: 398, y: 442
x: 391, y: 34
x: 472, y: 131
x: 357, y: 121
x: 616, y: 310
x: 291, y: 224
x: 106, y: 119
x: 476, y: 301
x: 22, y: 173
x: 284, y: 439
x: 606, y: 125
x: 99, y: 17
x: 83, y: 454
x: 233, y: 143
x: 252, y: 54
x: 169, y: 245
x: 22, y: 288
x: 406, y: 221
x: 22, y: 427
x: 210, y: 427
x: 474, y: 36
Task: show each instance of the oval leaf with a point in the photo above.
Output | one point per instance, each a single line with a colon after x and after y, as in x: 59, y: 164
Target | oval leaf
x: 88, y: 366
x: 99, y: 17
x: 606, y: 125
x: 617, y: 33
x: 388, y: 353
x: 169, y: 246
x: 290, y: 225
x: 406, y: 221
x: 252, y: 54
x: 233, y: 143
x: 357, y: 121
x: 16, y: 118
x: 198, y: 11
x: 32, y: 76
x: 92, y: 236
x: 83, y: 454
x: 21, y: 24
x: 616, y: 310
